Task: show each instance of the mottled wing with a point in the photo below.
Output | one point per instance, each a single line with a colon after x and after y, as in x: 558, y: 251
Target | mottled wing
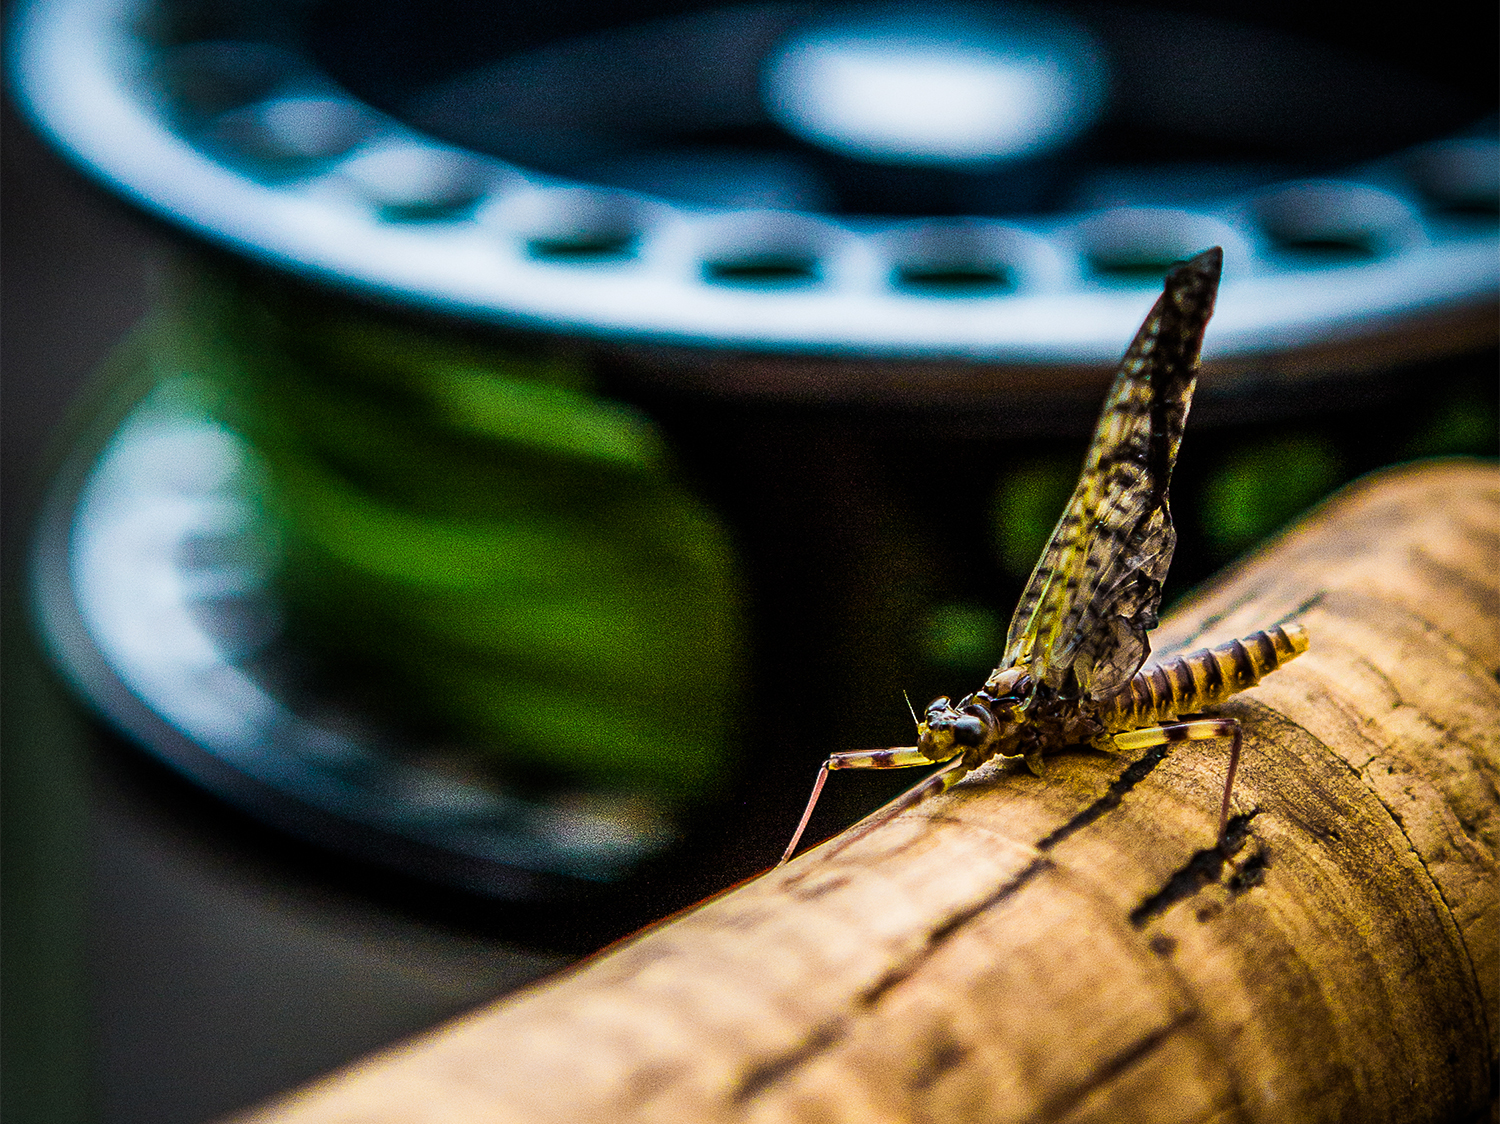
x: 1081, y: 625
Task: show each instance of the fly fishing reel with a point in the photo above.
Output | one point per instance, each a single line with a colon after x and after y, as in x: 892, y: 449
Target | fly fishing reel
x: 938, y: 209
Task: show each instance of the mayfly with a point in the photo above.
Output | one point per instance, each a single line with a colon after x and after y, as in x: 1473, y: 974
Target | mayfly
x: 1072, y: 670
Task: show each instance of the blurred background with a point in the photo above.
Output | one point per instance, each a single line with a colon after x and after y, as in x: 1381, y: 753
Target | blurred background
x: 466, y: 464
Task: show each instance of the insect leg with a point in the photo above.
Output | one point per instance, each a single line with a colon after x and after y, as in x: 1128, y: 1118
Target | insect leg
x: 1201, y: 729
x: 906, y: 757
x: 934, y: 785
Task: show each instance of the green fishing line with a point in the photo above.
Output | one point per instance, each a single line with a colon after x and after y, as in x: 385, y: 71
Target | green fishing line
x: 488, y: 542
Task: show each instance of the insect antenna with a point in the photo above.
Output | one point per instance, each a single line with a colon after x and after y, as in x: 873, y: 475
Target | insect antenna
x: 915, y: 721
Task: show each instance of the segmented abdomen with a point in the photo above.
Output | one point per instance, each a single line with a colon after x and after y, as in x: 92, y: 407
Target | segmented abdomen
x: 1184, y: 684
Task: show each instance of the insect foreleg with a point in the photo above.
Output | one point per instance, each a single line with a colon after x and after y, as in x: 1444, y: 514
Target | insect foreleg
x: 906, y: 757
x: 938, y: 783
x: 1202, y: 729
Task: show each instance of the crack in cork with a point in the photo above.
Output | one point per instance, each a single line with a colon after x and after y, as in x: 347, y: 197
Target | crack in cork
x: 1058, y: 1107
x: 1133, y: 775
x: 945, y: 931
x: 761, y: 1076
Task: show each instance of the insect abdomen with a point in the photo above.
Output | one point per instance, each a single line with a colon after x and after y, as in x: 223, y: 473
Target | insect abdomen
x: 1201, y: 679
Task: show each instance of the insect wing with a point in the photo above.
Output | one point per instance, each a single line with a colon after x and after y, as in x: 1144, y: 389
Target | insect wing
x: 1081, y: 624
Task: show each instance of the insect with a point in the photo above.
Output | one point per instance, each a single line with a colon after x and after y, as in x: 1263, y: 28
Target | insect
x: 1073, y: 669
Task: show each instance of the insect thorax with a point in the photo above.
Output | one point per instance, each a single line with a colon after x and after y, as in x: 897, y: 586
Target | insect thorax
x: 1011, y: 716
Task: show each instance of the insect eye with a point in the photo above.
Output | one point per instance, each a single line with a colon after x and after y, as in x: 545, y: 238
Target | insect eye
x: 968, y: 731
x: 938, y: 707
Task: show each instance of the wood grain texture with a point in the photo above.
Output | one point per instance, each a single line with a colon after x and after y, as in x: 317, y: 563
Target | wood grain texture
x: 1071, y: 948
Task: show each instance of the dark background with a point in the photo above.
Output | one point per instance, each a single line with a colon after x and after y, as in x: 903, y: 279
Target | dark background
x: 166, y: 959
